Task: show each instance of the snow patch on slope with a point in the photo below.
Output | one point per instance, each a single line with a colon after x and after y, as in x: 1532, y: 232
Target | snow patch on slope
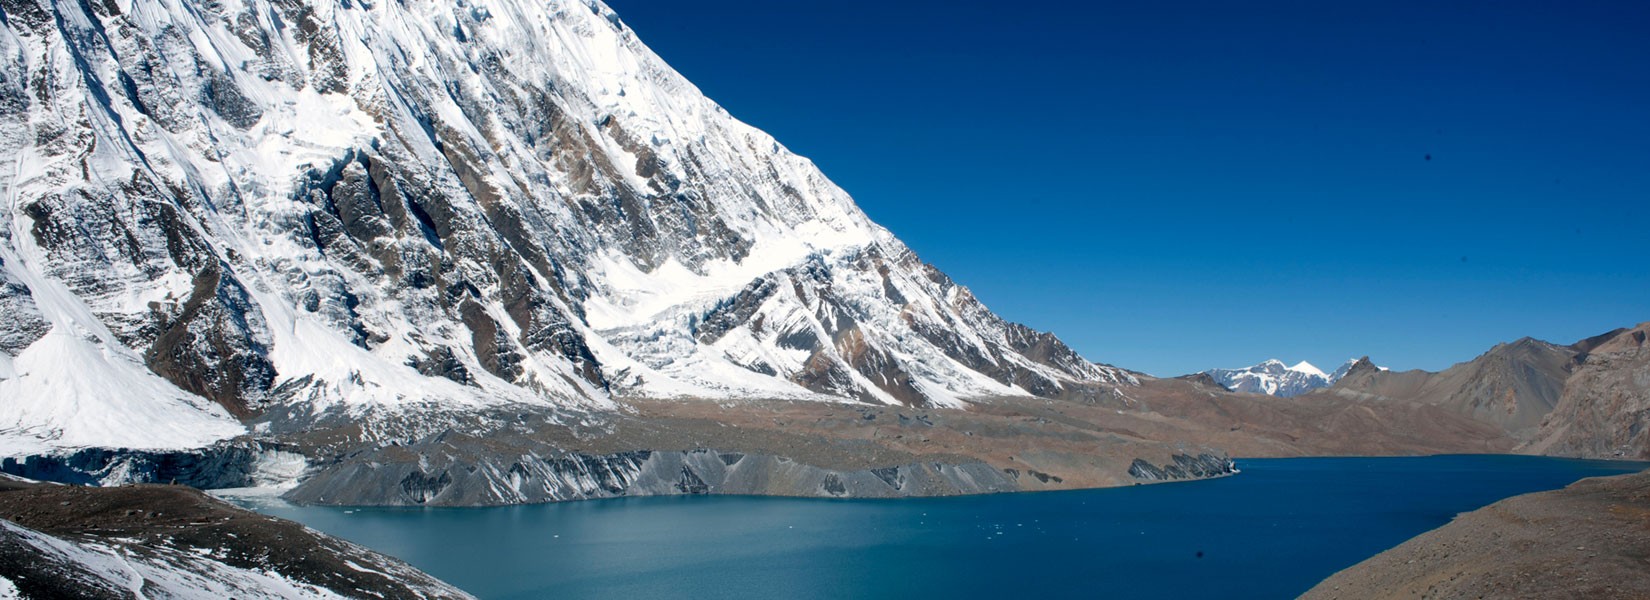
x: 70, y: 393
x: 77, y: 386
x: 162, y: 572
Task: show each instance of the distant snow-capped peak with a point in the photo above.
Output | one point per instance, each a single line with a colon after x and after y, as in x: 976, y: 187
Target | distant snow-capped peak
x: 1308, y: 368
x: 1274, y: 378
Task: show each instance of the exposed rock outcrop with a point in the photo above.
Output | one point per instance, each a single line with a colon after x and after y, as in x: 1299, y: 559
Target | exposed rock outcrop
x: 482, y: 479
x: 1604, y: 411
x: 1202, y: 466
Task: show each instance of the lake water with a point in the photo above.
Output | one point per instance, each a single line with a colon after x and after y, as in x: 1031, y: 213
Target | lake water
x: 1272, y: 531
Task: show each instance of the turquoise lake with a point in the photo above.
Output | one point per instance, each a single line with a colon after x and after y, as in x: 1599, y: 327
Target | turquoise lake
x: 1272, y: 531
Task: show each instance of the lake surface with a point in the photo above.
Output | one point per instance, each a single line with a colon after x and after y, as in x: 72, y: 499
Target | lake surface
x: 1272, y: 531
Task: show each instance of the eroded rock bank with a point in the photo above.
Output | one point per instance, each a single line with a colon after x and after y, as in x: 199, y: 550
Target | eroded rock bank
x: 487, y: 480
x: 683, y: 447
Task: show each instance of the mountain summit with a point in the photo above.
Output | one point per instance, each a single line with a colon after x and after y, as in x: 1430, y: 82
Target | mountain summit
x: 216, y: 211
x: 1274, y: 378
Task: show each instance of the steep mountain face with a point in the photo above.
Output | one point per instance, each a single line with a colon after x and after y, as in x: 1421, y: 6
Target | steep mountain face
x: 1346, y: 369
x: 1273, y: 378
x: 219, y: 209
x: 1604, y: 410
x: 1513, y: 385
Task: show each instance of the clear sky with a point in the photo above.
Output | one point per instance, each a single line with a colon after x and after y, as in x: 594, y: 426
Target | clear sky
x: 1174, y: 186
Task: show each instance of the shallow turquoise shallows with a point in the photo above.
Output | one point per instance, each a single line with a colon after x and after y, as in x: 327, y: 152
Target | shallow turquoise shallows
x: 1271, y: 531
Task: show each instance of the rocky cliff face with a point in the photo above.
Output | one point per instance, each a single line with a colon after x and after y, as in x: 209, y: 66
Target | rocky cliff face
x: 1605, y: 407
x: 215, y: 210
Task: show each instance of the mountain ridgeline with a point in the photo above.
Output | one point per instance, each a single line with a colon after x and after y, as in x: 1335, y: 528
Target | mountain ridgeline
x: 1587, y: 399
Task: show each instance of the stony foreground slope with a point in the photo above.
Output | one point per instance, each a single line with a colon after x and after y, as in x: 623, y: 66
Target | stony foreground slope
x: 1590, y: 540
x: 152, y: 541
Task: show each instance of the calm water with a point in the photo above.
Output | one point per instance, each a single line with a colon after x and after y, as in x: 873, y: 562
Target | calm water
x: 1272, y: 531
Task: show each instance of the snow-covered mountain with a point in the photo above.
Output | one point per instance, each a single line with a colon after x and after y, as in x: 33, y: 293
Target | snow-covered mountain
x: 1275, y: 378
x: 214, y: 209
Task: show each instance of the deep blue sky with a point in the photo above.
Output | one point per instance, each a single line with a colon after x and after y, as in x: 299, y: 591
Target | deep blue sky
x: 1173, y: 186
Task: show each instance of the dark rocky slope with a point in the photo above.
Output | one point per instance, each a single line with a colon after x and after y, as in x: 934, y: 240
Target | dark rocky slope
x: 153, y: 541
